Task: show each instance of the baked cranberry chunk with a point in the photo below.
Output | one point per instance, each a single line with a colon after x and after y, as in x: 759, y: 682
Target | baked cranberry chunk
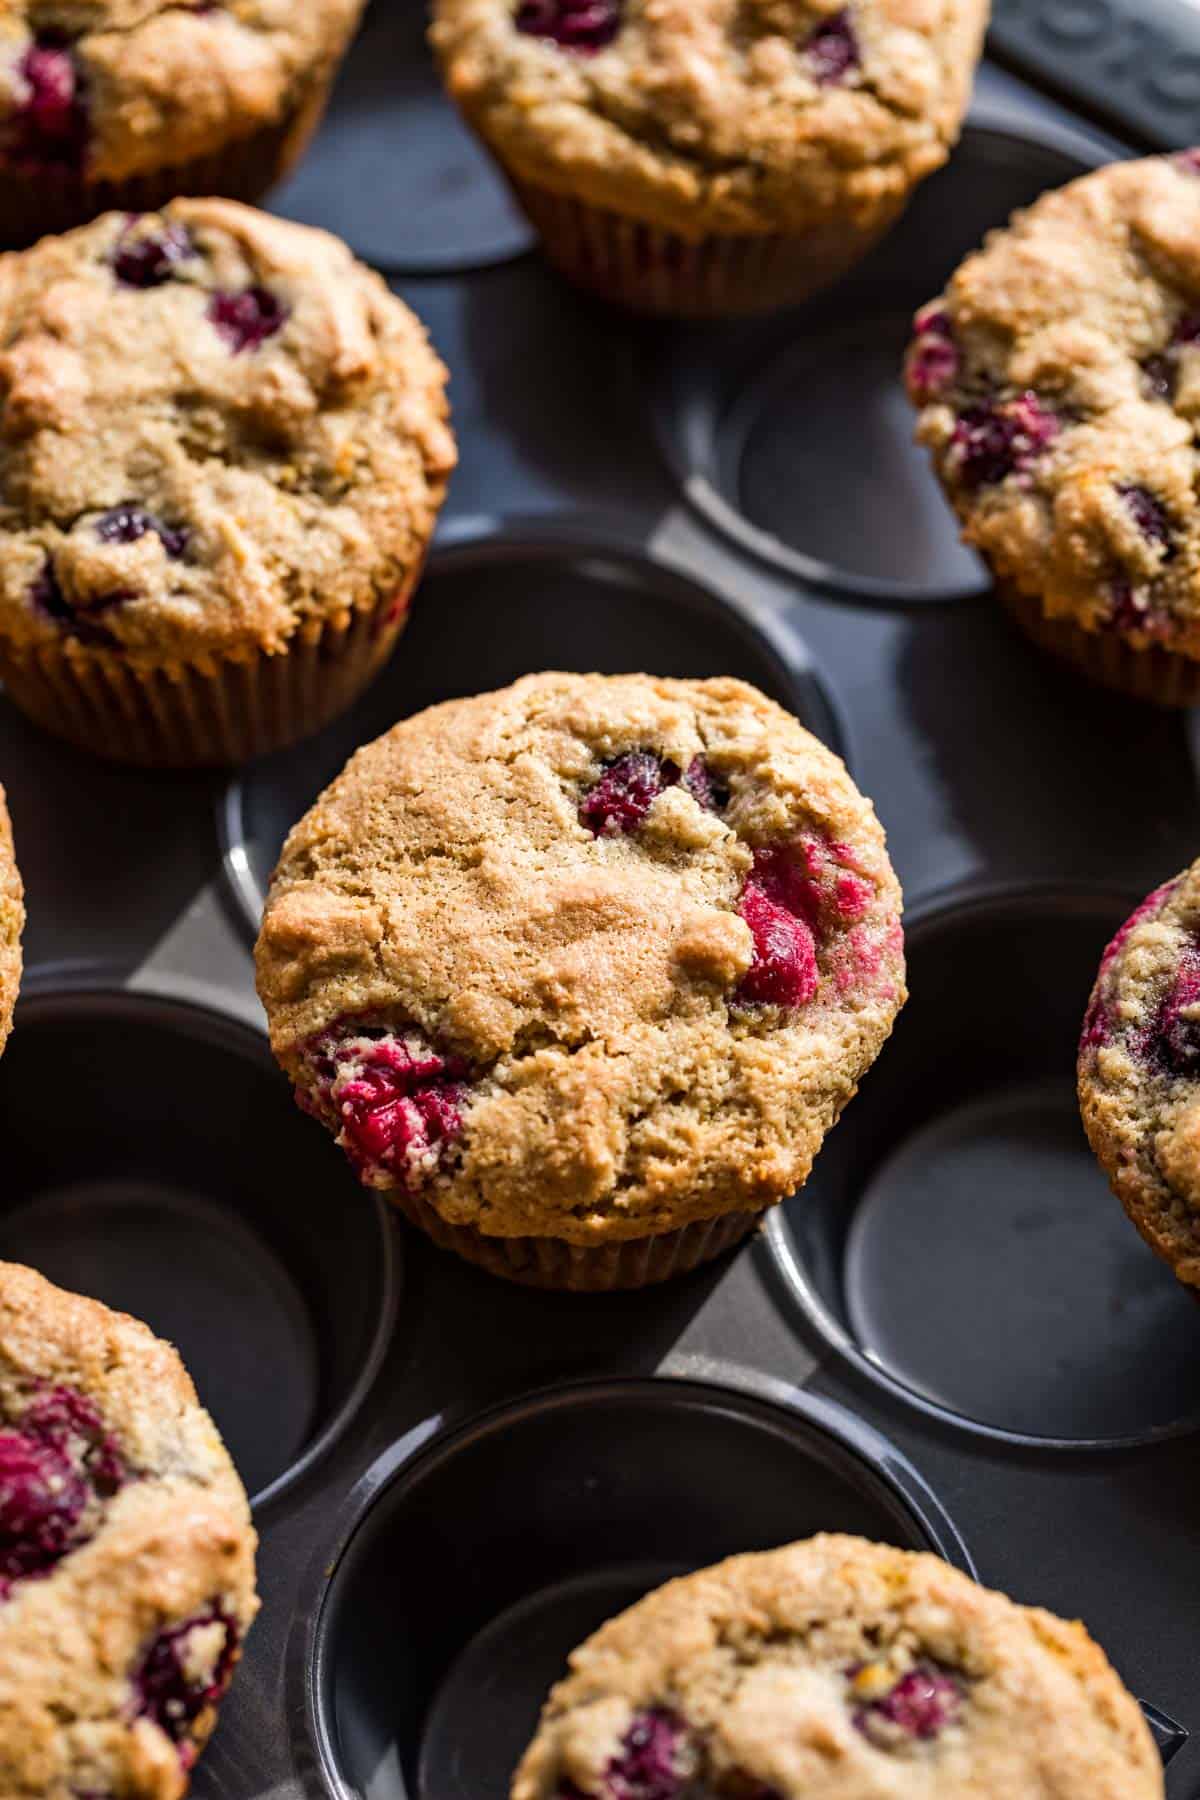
x: 127, y: 523
x: 618, y: 802
x: 933, y: 359
x: 784, y: 969
x: 706, y: 789
x: 833, y: 49
x: 186, y: 1670
x: 146, y: 259
x: 248, y: 319
x: 1150, y: 517
x: 572, y: 24
x: 919, y: 1705
x: 1175, y: 1036
x: 996, y: 439
x: 49, y: 127
x: 42, y: 1499
x: 396, y: 1101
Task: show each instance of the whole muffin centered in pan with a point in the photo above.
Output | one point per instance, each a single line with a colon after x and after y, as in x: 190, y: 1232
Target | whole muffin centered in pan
x: 836, y: 1669
x: 224, y: 448
x: 1139, y: 1071
x: 584, y: 962
x: 1058, y: 382
x: 126, y: 1553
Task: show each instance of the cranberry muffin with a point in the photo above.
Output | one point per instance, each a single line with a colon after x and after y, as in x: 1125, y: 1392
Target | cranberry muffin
x: 1058, y: 381
x: 836, y: 1669
x: 127, y: 103
x: 126, y: 1553
x: 701, y: 157
x: 223, y: 448
x: 12, y: 922
x: 1139, y: 1071
x: 581, y: 972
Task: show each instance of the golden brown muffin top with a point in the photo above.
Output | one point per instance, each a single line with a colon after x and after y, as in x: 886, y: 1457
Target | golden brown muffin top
x: 1059, y: 383
x: 214, y: 427
x: 716, y: 115
x: 836, y: 1669
x: 12, y: 923
x: 114, y: 89
x: 126, y: 1553
x: 587, y: 958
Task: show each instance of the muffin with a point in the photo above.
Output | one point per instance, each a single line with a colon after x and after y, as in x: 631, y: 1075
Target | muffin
x: 223, y: 447
x: 1139, y: 1071
x: 126, y: 1553
x: 126, y: 103
x: 1058, y: 381
x: 702, y: 157
x: 836, y: 1669
x: 581, y: 972
x: 12, y: 921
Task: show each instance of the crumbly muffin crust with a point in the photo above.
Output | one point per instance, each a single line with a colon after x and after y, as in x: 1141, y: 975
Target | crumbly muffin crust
x: 588, y: 958
x: 12, y: 923
x: 153, y: 83
x: 214, y: 427
x: 1139, y: 1070
x: 126, y: 1553
x: 837, y: 1669
x: 1058, y: 379
x: 737, y: 116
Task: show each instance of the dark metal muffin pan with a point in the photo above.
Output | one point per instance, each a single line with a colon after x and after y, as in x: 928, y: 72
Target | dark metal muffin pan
x: 456, y: 1479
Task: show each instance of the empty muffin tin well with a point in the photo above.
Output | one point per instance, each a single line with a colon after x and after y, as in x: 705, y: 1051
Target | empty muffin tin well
x: 155, y: 1161
x: 501, y: 600
x: 957, y: 1241
x: 394, y: 170
x: 794, y: 435
x: 470, y: 1567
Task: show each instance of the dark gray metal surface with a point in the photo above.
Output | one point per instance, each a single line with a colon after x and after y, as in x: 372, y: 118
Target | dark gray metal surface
x: 688, y: 503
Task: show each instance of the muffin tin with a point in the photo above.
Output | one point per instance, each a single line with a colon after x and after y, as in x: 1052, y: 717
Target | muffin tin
x: 456, y: 1480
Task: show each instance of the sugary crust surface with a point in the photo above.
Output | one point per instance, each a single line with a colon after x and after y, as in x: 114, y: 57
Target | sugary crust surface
x: 445, y: 880
x: 172, y: 1541
x: 12, y: 922
x: 166, y: 81
x: 1086, y: 302
x: 706, y: 115
x: 1140, y: 1099
x: 754, y: 1655
x: 306, y: 470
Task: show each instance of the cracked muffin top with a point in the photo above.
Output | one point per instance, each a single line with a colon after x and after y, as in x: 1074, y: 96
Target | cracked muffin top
x: 126, y: 1553
x: 1058, y: 379
x: 12, y: 922
x: 214, y: 427
x: 837, y: 1669
x: 116, y: 88
x: 588, y: 958
x: 1139, y: 1070
x: 728, y: 115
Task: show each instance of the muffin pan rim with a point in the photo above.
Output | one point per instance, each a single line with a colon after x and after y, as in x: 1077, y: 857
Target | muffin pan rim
x: 441, y: 1436
x: 478, y: 538
x: 45, y: 995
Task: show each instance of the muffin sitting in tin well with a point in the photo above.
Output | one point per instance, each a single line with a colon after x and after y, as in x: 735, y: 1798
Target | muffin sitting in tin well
x: 12, y: 921
x: 711, y: 156
x: 1139, y: 1071
x: 1058, y: 379
x: 837, y: 1669
x: 126, y: 1553
x: 581, y: 972
x: 222, y: 454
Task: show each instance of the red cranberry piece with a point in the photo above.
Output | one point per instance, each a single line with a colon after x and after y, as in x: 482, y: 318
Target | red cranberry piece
x: 398, y: 1110
x: 648, y: 1765
x: 127, y: 523
x: 933, y: 359
x: 50, y: 126
x: 69, y: 1420
x: 169, y: 1690
x: 1188, y: 161
x: 247, y: 319
x: 833, y: 49
x: 1150, y: 517
x: 572, y: 24
x: 706, y: 789
x: 1175, y: 1040
x: 148, y: 259
x: 921, y: 1704
x: 619, y: 801
x: 42, y: 1498
x: 995, y: 439
x: 784, y: 969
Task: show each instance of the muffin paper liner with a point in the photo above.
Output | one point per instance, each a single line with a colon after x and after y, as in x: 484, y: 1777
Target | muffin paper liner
x: 1157, y: 675
x: 650, y: 270
x: 581, y: 1268
x: 34, y: 204
x: 187, y: 716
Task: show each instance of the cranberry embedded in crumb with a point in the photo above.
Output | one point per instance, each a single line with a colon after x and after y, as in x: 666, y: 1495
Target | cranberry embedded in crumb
x: 996, y: 439
x: 618, y: 802
x: 833, y: 49
x: 398, y: 1109
x: 42, y: 1498
x: 920, y: 1705
x: 146, y: 259
x: 1175, y: 1036
x: 784, y: 969
x: 247, y: 319
x: 933, y: 358
x: 706, y: 789
x: 1150, y: 517
x: 572, y: 24
x: 49, y: 126
x: 185, y: 1671
x: 647, y: 1767
x: 127, y: 523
